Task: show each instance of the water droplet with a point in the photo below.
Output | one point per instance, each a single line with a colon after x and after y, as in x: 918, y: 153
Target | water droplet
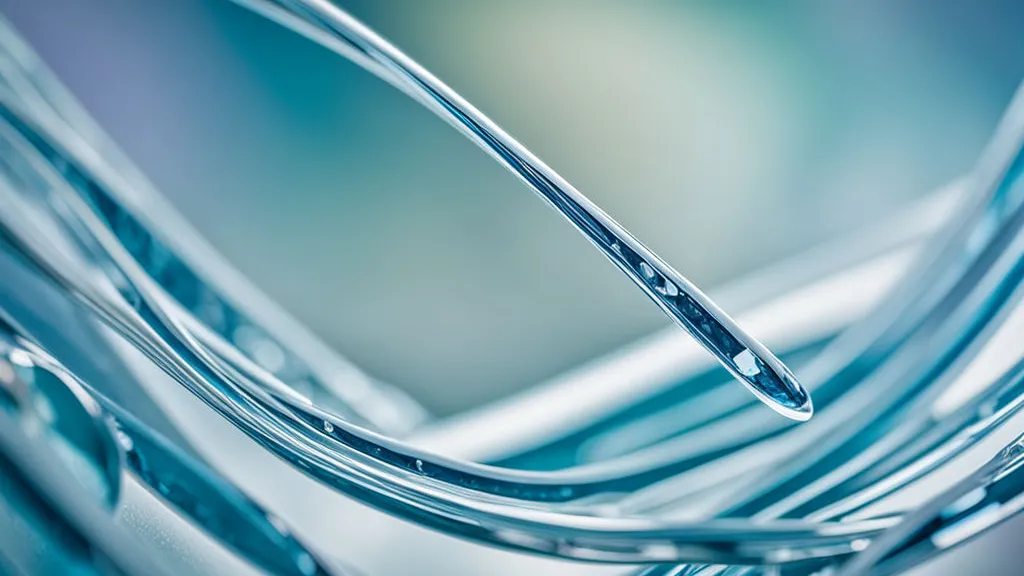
x: 419, y: 465
x: 328, y: 427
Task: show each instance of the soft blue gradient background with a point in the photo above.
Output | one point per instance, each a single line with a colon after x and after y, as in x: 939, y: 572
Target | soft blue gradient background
x: 724, y: 136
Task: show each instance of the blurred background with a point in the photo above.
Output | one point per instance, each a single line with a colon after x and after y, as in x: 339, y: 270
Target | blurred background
x: 725, y: 136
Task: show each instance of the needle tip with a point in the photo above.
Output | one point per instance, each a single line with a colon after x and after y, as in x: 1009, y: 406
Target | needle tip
x: 773, y: 383
x: 801, y: 413
x: 788, y: 397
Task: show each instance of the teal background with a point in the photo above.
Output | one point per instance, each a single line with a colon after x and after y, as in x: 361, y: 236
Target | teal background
x: 726, y: 135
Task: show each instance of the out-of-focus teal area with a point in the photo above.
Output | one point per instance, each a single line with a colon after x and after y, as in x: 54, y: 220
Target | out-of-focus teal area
x: 726, y: 136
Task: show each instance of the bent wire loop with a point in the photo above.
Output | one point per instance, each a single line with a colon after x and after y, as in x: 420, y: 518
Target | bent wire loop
x: 736, y: 485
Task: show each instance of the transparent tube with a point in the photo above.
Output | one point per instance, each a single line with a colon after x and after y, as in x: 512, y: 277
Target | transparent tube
x: 736, y: 486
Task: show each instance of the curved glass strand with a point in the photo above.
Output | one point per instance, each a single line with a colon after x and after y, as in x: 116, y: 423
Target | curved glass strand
x: 647, y: 477
x: 445, y: 494
x: 677, y: 466
x: 180, y: 482
x: 729, y: 468
x: 880, y: 337
x: 990, y: 495
x: 987, y: 497
x: 744, y: 427
x: 951, y: 437
x: 866, y: 445
x: 562, y: 492
x: 597, y: 479
x: 994, y: 493
x: 135, y: 235
x: 665, y: 465
x: 909, y: 369
x: 790, y: 304
x: 330, y: 26
x: 799, y: 447
x: 998, y: 259
x: 742, y: 355
x: 967, y: 339
x: 869, y: 344
x: 551, y: 487
x: 381, y: 472
x: 178, y: 258
x: 915, y: 451
x: 146, y: 248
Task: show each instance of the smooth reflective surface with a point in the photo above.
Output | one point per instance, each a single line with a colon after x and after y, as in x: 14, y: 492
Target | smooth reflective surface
x: 694, y: 473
